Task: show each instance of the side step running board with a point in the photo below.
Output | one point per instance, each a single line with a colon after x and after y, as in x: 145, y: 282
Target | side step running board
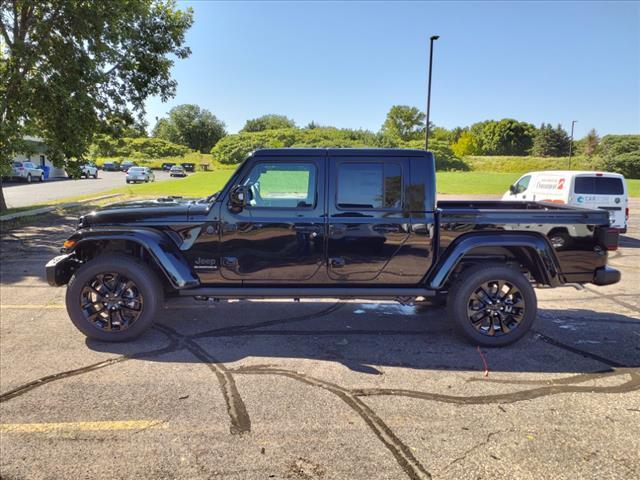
x: 306, y: 292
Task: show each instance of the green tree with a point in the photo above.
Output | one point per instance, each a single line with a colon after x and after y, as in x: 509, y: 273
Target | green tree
x: 268, y: 122
x: 551, y: 142
x: 466, y: 145
x: 503, y: 137
x: 68, y: 65
x: 190, y: 125
x: 403, y: 123
x: 590, y: 143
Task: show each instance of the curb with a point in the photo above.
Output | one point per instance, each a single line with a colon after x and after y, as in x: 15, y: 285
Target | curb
x: 38, y: 211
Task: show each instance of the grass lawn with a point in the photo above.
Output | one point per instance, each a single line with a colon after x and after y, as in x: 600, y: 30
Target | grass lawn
x: 202, y: 184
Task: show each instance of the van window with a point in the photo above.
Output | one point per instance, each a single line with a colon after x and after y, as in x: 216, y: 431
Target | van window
x: 369, y: 186
x: 599, y: 186
x: 523, y: 184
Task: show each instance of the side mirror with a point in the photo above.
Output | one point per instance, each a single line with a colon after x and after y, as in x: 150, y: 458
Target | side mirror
x: 512, y: 189
x: 240, y: 196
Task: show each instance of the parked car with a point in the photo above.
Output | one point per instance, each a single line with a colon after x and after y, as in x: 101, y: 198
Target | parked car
x: 26, y: 171
x: 177, y: 171
x: 111, y: 166
x: 166, y: 166
x: 602, y: 190
x: 189, y: 167
x: 127, y: 164
x: 140, y: 174
x: 289, y: 224
x: 89, y: 170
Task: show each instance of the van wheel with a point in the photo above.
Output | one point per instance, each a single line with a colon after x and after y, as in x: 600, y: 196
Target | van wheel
x: 114, y: 298
x: 559, y: 239
x: 492, y: 305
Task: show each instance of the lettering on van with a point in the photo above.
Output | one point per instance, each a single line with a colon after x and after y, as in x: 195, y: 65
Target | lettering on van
x: 550, y: 183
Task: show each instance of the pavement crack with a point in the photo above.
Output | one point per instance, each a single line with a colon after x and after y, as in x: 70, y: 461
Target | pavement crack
x: 485, y: 442
x: 401, y: 452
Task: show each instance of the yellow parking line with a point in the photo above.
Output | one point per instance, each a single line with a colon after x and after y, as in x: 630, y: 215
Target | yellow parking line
x: 82, y: 426
x: 32, y: 306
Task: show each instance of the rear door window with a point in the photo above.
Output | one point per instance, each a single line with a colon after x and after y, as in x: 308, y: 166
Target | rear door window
x: 374, y: 186
x: 599, y: 186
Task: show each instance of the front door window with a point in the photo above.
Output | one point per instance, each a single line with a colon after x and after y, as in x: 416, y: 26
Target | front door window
x: 285, y: 185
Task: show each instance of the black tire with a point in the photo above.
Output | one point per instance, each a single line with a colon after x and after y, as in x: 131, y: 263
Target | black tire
x: 514, y: 312
x: 95, y: 175
x: 28, y: 178
x: 145, y: 282
x: 41, y: 178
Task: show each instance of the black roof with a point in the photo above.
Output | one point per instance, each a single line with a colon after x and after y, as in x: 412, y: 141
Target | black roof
x: 341, y: 152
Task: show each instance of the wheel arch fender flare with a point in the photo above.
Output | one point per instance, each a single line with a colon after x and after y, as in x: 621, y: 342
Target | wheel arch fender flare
x: 530, y: 248
x: 162, y: 250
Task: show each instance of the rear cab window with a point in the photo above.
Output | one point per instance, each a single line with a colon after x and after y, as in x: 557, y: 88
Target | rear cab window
x: 374, y: 186
x: 594, y: 185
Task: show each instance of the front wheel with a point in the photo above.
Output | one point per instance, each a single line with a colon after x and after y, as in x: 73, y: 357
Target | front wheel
x: 492, y: 305
x: 114, y: 298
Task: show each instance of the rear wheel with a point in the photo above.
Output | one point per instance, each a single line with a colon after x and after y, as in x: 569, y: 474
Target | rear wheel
x: 492, y: 305
x: 114, y: 298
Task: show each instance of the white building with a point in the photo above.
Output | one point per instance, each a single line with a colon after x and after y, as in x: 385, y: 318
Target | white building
x: 37, y: 154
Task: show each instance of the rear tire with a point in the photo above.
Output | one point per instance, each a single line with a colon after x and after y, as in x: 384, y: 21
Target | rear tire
x: 41, y: 178
x: 492, y: 305
x: 114, y: 298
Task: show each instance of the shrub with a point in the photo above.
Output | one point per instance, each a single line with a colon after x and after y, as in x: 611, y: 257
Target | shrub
x: 142, y: 147
x: 628, y: 164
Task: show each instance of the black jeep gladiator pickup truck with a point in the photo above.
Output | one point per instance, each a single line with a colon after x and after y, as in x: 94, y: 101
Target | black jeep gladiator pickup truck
x: 336, y: 223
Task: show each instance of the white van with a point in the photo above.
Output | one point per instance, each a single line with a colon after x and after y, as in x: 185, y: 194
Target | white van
x: 604, y: 190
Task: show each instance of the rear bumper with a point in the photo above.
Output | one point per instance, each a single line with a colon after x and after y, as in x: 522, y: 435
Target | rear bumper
x: 59, y: 269
x: 606, y: 276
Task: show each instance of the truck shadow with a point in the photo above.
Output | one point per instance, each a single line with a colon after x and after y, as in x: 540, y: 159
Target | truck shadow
x: 372, y: 338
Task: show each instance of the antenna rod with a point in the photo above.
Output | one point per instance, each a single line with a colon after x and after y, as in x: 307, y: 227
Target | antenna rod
x: 431, y: 40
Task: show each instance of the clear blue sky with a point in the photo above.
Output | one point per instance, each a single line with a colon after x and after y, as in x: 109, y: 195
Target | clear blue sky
x: 346, y: 64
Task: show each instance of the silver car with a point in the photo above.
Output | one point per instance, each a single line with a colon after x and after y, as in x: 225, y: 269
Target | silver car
x: 140, y: 174
x: 26, y: 171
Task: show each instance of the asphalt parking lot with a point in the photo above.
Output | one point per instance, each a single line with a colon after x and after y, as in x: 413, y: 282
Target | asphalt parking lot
x: 316, y: 389
x: 20, y: 194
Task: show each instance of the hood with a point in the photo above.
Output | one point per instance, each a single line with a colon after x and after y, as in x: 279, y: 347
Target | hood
x: 161, y: 210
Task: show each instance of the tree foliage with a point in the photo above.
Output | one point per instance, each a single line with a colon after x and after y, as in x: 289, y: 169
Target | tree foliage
x: 138, y: 147
x: 551, y: 142
x: 403, y: 123
x: 466, y: 145
x: 67, y: 65
x: 192, y: 126
x: 503, y: 137
x: 268, y: 122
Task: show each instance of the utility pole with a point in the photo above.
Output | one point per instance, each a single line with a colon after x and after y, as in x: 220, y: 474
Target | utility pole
x: 573, y: 123
x: 431, y: 40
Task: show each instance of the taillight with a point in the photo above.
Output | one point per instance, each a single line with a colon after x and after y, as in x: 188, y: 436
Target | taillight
x: 608, y: 238
x: 21, y: 169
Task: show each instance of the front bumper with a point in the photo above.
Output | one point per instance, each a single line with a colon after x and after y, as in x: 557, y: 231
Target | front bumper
x: 606, y: 276
x: 59, y: 269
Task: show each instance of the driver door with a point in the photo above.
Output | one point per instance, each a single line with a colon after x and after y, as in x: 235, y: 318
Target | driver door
x: 279, y: 235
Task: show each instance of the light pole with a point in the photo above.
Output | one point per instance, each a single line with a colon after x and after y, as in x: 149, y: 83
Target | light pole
x: 573, y: 123
x: 431, y: 40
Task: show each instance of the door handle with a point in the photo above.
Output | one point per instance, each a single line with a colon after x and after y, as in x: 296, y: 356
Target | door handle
x: 337, y: 262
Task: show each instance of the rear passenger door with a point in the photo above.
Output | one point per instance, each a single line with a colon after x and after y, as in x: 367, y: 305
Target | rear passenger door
x: 366, y: 222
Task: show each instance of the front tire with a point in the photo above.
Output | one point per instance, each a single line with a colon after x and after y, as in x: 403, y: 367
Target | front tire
x: 492, y: 305
x: 114, y: 298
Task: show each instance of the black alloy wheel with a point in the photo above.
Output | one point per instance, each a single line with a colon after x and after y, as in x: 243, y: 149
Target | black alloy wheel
x: 110, y: 301
x: 492, y: 305
x: 114, y: 297
x: 496, y: 308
